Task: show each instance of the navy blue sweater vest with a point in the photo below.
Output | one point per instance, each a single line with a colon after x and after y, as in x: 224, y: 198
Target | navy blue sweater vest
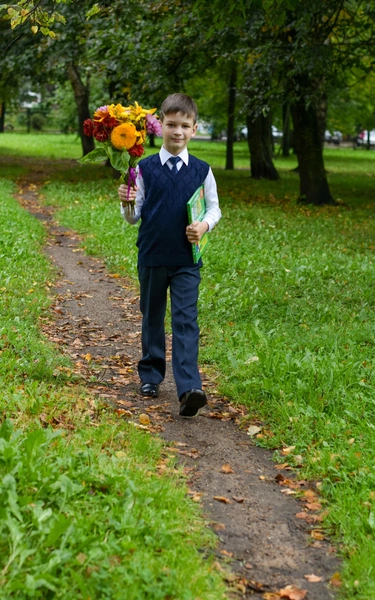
x: 162, y: 237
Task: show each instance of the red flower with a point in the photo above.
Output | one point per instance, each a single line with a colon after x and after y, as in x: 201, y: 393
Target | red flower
x: 101, y: 132
x: 88, y: 128
x: 136, y: 150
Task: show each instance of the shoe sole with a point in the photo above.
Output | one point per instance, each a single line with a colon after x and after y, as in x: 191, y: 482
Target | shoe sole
x: 148, y: 395
x: 192, y: 406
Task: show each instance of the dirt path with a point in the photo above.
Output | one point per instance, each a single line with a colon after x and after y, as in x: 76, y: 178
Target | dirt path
x: 97, y: 323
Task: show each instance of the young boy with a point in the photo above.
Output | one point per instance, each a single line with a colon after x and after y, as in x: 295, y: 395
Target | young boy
x: 165, y: 183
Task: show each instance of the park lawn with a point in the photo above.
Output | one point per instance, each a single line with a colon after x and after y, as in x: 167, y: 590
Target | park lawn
x: 287, y: 320
x: 84, y: 511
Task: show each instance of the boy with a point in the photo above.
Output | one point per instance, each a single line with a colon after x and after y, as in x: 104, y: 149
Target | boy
x: 165, y: 183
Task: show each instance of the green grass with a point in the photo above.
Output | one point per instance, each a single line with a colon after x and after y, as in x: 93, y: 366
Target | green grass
x: 287, y: 320
x: 40, y: 145
x: 83, y: 510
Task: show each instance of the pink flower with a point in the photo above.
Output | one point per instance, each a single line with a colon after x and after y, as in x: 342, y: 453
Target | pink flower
x: 153, y: 125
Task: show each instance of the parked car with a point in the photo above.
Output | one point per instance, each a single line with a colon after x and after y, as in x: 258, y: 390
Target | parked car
x: 277, y: 135
x: 363, y: 138
x: 333, y: 137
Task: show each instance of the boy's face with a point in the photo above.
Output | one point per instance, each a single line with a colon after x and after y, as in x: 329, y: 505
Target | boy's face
x: 177, y: 129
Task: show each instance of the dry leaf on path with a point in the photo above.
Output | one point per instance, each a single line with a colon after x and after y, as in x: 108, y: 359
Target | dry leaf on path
x: 144, y: 419
x: 222, y: 499
x: 282, y: 466
x: 271, y: 596
x: 313, y: 578
x: 197, y: 497
x: 336, y: 580
x: 226, y: 469
x: 253, y: 430
x: 293, y: 593
x: 238, y: 499
x: 313, y: 505
x: 302, y: 515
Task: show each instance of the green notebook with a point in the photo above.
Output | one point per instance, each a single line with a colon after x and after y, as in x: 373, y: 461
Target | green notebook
x: 196, y: 208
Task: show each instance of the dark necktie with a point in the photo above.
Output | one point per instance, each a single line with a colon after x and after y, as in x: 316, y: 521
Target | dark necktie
x: 174, y: 160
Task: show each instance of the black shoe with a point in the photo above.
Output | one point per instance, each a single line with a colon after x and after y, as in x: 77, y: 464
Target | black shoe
x: 191, y: 402
x: 150, y: 389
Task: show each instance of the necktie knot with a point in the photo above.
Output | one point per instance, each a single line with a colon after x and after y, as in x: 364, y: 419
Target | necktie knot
x: 174, y: 160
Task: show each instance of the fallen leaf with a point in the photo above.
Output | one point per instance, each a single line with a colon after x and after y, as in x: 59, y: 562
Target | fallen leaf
x: 197, y: 497
x: 336, y: 580
x: 226, y: 469
x: 193, y: 454
x: 302, y: 515
x: 144, y: 419
x: 271, y: 596
x: 313, y: 578
x: 241, y: 587
x: 238, y: 499
x: 288, y: 450
x: 121, y: 454
x: 313, y: 505
x: 293, y: 593
x: 251, y: 359
x: 282, y: 466
x: 253, y: 430
x: 317, y: 535
x: 222, y: 499
x: 81, y: 558
x: 226, y: 553
x: 310, y: 496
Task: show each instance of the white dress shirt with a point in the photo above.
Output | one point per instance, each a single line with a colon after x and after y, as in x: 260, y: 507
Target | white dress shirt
x: 213, y: 212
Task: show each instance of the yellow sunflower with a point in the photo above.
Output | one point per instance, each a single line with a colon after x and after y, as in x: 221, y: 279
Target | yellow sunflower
x: 124, y: 136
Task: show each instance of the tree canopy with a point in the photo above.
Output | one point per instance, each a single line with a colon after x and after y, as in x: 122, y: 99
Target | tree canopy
x: 252, y: 56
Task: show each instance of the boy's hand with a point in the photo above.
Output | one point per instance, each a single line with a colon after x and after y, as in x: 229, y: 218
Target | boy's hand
x: 123, y: 194
x: 195, y: 230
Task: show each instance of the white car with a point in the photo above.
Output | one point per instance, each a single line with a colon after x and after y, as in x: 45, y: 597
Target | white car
x: 333, y: 137
x: 363, y: 140
x: 276, y: 134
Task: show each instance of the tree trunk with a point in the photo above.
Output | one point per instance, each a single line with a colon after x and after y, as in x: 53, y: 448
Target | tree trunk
x: 81, y: 95
x: 314, y: 187
x: 259, y: 138
x: 229, y: 165
x: 2, y: 117
x: 321, y: 116
x: 286, y: 129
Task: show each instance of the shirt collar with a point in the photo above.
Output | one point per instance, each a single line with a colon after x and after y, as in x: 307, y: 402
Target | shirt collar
x: 165, y: 155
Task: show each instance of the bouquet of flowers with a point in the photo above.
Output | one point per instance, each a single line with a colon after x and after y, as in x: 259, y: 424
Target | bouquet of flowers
x: 122, y: 132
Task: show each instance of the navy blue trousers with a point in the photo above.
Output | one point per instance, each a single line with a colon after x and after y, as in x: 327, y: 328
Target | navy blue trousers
x: 183, y: 283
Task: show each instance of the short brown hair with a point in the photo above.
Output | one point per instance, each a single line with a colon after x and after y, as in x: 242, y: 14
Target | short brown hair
x: 179, y: 103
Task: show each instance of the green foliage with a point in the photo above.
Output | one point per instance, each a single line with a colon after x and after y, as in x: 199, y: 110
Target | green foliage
x: 24, y: 275
x: 79, y: 521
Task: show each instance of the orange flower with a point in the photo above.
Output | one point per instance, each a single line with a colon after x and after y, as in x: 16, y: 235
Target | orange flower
x: 124, y: 136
